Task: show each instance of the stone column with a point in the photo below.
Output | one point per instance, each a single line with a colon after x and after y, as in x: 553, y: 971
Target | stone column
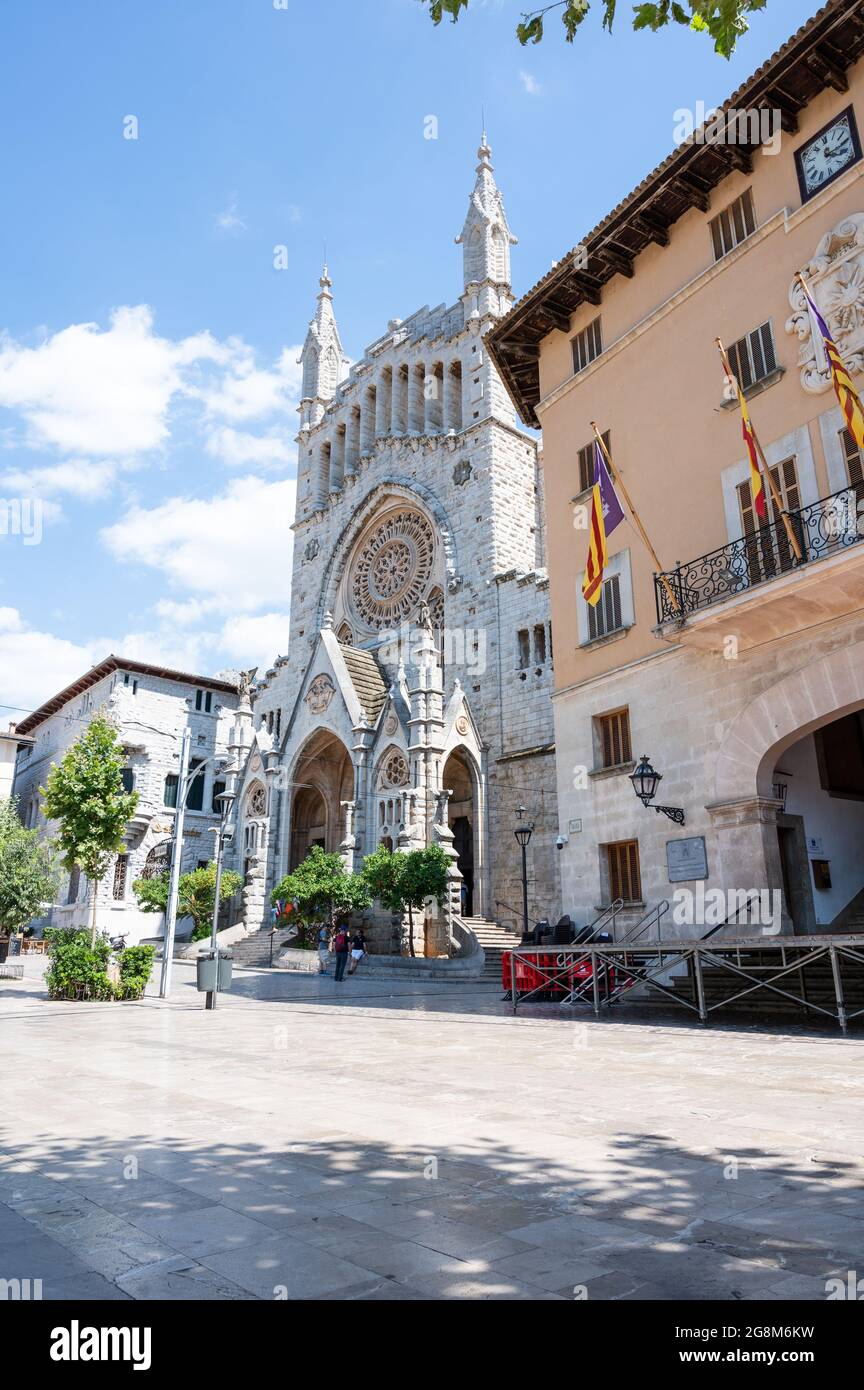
x: 453, y: 395
x: 367, y: 420
x: 748, y: 848
x: 416, y: 399
x: 399, y: 402
x: 433, y: 391
x: 447, y: 937
x: 349, y: 843
x: 337, y: 459
x: 383, y: 404
x: 352, y: 441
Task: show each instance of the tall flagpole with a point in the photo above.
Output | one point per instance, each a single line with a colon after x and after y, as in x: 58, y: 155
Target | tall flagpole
x: 775, y: 492
x: 617, y: 479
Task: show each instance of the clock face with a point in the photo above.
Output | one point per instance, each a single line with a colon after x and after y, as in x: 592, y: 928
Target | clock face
x: 828, y: 154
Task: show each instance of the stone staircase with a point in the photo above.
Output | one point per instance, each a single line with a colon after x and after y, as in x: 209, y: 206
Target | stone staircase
x: 495, y: 940
x: 253, y: 952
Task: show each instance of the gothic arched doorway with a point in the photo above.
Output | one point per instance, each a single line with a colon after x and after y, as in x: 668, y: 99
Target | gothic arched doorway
x: 463, y: 821
x: 321, y: 783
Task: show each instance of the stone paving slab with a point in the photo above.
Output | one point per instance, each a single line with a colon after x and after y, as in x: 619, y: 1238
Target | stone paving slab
x: 419, y: 1142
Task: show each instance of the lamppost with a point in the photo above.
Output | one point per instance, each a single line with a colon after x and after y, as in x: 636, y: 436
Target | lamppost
x: 645, y: 783
x: 224, y: 833
x: 184, y: 786
x: 523, y: 833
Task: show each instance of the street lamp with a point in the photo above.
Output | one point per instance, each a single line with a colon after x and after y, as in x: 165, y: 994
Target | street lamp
x: 645, y: 781
x: 184, y: 786
x: 224, y: 833
x: 523, y: 832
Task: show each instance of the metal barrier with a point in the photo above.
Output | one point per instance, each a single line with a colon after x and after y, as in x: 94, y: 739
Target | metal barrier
x: 611, y: 970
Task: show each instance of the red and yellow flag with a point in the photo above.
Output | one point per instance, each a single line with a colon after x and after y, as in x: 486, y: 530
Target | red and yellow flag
x: 598, y: 554
x: 850, y: 401
x: 757, y: 482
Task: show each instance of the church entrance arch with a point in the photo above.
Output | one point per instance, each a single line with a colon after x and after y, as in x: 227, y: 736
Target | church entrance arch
x: 322, y: 781
x: 463, y: 818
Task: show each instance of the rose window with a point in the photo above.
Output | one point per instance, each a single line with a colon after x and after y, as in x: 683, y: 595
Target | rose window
x: 257, y: 802
x: 392, y: 570
x: 394, y: 773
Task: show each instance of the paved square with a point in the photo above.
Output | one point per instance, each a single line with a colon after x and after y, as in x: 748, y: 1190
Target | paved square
x: 377, y: 1140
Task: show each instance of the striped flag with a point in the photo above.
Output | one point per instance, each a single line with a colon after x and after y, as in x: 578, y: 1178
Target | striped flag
x: 757, y: 482
x: 850, y: 401
x: 606, y: 514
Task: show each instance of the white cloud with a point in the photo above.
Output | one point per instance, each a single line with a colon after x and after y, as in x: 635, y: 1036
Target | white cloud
x: 101, y: 392
x: 530, y: 84
x: 230, y: 220
x: 79, y: 477
x: 247, y: 392
x: 239, y: 449
x: 35, y: 665
x: 234, y: 548
x: 255, y: 641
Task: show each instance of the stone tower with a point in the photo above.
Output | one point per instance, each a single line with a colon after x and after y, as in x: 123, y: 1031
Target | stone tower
x: 413, y: 705
x: 486, y: 240
x: 322, y: 358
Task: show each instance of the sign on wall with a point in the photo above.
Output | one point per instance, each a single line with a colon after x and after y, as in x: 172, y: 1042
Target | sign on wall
x: 687, y: 859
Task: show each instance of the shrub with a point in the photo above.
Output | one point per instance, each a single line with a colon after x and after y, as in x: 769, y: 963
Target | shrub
x: 79, y: 971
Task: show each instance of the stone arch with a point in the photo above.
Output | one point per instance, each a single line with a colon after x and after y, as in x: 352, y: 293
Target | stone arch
x: 461, y: 775
x: 803, y: 701
x: 395, y: 488
x: 321, y: 781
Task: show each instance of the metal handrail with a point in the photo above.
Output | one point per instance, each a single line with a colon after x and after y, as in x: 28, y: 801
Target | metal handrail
x: 517, y: 913
x: 610, y: 912
x: 822, y: 528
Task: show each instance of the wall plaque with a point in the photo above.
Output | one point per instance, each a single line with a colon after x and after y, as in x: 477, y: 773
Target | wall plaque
x: 687, y: 859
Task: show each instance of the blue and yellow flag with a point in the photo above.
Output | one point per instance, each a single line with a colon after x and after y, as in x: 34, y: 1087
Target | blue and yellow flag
x: 850, y: 401
x: 606, y: 514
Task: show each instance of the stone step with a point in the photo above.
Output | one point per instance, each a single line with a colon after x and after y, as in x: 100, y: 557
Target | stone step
x: 254, y: 951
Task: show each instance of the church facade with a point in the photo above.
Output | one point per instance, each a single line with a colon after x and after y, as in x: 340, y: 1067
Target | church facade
x: 413, y: 705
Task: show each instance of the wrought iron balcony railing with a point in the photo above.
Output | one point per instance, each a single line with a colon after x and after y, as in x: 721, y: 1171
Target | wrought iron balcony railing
x: 822, y: 529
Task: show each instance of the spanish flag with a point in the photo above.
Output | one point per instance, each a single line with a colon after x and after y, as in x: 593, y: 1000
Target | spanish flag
x: 606, y: 514
x: 850, y: 401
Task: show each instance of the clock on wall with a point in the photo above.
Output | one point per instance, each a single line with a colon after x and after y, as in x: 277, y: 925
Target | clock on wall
x: 828, y: 154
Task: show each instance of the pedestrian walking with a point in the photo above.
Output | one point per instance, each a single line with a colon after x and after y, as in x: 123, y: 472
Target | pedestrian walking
x: 358, y: 951
x: 342, y: 946
x: 323, y: 950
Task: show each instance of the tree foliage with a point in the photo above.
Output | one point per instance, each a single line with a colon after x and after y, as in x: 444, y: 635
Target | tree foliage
x: 404, y: 882
x: 27, y: 875
x: 85, y: 796
x: 196, y: 896
x: 322, y: 889
x: 724, y: 21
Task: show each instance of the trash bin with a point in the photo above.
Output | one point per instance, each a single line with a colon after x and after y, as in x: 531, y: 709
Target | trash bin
x: 213, y: 966
x: 207, y: 966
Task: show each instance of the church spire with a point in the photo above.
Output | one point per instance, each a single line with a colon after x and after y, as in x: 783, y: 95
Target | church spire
x: 322, y: 359
x: 486, y: 237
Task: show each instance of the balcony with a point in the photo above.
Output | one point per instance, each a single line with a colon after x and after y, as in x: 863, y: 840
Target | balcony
x: 757, y: 589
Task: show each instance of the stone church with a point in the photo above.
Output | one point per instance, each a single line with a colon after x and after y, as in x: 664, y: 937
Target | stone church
x: 413, y: 705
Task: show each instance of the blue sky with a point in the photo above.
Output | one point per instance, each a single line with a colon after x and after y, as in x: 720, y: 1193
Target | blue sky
x: 148, y: 382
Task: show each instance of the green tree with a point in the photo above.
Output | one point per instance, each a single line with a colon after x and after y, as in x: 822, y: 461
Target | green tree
x: 404, y: 882
x: 196, y: 895
x: 322, y: 889
x: 85, y: 795
x: 27, y: 874
x: 724, y: 21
